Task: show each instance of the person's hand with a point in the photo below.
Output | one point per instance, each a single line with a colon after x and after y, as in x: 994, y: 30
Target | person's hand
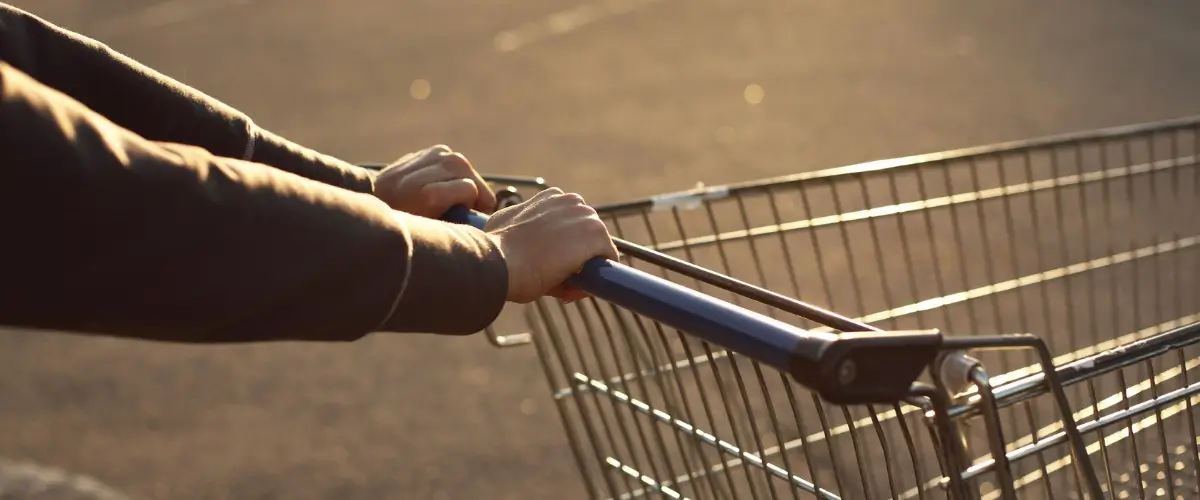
x: 427, y: 183
x: 545, y: 240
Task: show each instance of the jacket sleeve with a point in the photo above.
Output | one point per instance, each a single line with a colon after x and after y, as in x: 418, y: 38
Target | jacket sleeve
x: 107, y: 232
x: 153, y: 105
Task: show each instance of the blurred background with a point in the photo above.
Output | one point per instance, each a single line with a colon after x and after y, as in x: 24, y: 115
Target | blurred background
x: 614, y: 99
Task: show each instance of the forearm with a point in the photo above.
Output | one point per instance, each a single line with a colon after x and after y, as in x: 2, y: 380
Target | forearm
x: 153, y: 105
x: 107, y: 232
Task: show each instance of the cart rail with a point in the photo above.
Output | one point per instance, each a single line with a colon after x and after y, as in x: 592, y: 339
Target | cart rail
x: 1085, y: 245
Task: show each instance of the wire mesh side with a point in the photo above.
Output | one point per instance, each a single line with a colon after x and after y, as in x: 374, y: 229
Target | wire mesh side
x: 1080, y: 243
x: 1087, y: 244
x: 654, y: 412
x: 1138, y: 420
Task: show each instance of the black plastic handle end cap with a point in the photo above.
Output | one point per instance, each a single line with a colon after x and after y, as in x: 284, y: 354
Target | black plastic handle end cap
x: 870, y: 368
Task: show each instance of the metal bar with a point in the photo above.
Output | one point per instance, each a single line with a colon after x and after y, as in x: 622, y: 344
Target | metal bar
x: 829, y: 432
x: 912, y: 450
x: 916, y: 160
x: 1088, y: 479
x: 1162, y: 403
x: 1062, y: 359
x: 793, y: 404
x: 1091, y: 386
x: 931, y: 203
x: 952, y: 447
x: 1096, y: 409
x: 738, y: 380
x: 674, y: 401
x: 744, y: 289
x: 705, y: 437
x: 1091, y: 366
x: 1015, y: 283
x: 826, y: 435
x: 1191, y: 420
x: 1121, y: 397
x: 642, y: 478
x: 621, y: 426
x: 1017, y: 386
x: 556, y: 342
x: 646, y: 446
x: 706, y: 405
x: 1048, y: 489
x: 1129, y: 427
x: 995, y: 434
x: 1162, y: 436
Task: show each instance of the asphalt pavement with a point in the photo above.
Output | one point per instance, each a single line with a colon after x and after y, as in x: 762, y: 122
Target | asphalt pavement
x: 614, y: 99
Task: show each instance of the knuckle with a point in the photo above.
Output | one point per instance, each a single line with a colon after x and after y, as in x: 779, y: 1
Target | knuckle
x: 585, y: 213
x: 456, y: 163
x: 594, y: 225
x: 567, y: 200
x: 405, y: 159
x: 439, y: 148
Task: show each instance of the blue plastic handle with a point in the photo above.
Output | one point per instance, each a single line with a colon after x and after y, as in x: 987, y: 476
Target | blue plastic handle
x: 845, y: 369
x: 751, y: 334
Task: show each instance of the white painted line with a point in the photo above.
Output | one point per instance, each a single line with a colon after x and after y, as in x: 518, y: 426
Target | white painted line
x: 164, y: 14
x: 564, y: 22
x: 29, y: 480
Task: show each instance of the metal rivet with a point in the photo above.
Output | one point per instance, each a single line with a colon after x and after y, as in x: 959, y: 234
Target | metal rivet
x: 847, y: 372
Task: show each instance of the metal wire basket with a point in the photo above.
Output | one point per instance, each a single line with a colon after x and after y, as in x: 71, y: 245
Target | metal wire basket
x: 1060, y: 269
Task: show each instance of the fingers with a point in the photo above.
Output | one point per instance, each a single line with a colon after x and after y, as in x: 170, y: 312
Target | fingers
x: 591, y: 226
x: 544, y: 195
x: 423, y: 183
x: 458, y: 165
x: 586, y: 220
x: 419, y: 159
x: 442, y: 196
x: 548, y: 239
x: 426, y: 157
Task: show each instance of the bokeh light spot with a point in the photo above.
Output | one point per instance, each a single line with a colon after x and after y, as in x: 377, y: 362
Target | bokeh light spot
x: 420, y: 89
x: 754, y: 93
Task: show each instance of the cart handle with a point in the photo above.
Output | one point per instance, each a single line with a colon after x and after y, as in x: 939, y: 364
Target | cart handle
x: 851, y: 368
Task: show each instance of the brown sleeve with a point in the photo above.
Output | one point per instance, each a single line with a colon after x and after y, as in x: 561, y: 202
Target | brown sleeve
x: 153, y: 105
x: 109, y: 233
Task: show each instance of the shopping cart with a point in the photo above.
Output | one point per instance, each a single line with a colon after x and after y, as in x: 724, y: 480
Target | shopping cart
x: 1061, y: 271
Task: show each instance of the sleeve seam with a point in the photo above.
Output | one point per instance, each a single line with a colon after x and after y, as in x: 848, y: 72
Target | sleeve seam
x: 407, y: 273
x: 251, y: 140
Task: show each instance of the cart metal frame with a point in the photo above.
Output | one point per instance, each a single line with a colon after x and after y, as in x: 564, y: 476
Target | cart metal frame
x: 701, y: 369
